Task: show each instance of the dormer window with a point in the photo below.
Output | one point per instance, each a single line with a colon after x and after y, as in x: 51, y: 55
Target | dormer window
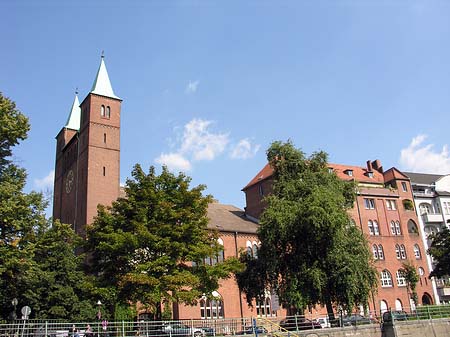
x: 349, y: 173
x: 370, y: 174
x: 330, y: 170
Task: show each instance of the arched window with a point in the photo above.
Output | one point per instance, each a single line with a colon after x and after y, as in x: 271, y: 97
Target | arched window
x: 370, y: 224
x: 249, y: 248
x: 417, y: 252
x: 383, y: 306
x: 393, y: 227
x: 401, y: 282
x: 221, y: 253
x: 376, y: 229
x: 424, y: 208
x: 398, y: 305
x: 412, y: 227
x: 380, y: 252
x: 255, y: 250
x: 398, y: 230
x: 375, y: 252
x: 263, y: 308
x: 108, y: 112
x: 386, y: 278
x: 102, y: 111
x: 212, y: 309
x: 397, y: 252
x: 402, y: 252
x: 421, y: 271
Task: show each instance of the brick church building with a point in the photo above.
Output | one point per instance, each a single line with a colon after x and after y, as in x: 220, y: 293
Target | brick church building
x: 87, y: 173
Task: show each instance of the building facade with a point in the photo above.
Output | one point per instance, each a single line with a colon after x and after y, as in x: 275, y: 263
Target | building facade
x: 432, y: 201
x: 385, y: 212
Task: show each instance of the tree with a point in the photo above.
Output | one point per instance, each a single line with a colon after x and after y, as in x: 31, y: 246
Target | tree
x: 64, y: 290
x: 440, y: 251
x: 310, y: 253
x: 150, y: 246
x: 21, y: 214
x: 408, y: 271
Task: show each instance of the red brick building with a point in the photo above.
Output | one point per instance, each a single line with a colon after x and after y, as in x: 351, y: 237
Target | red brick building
x: 87, y: 173
x: 384, y: 210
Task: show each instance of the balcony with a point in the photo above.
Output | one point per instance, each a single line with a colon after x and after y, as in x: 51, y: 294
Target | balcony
x: 432, y: 217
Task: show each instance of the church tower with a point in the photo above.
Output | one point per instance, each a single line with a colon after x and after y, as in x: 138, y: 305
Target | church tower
x: 87, y: 170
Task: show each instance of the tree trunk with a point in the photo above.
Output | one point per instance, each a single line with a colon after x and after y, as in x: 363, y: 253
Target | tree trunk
x: 330, y: 312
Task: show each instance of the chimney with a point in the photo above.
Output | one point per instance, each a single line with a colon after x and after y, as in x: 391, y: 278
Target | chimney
x: 376, y: 164
x: 369, y: 166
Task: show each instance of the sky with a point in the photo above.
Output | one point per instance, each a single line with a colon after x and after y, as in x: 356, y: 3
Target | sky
x: 207, y: 86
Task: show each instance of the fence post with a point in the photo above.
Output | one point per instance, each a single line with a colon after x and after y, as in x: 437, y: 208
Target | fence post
x: 428, y: 312
x: 123, y: 329
x: 46, y: 328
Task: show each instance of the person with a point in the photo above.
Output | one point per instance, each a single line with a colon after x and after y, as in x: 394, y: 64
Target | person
x: 88, y: 331
x: 77, y: 333
x: 72, y: 330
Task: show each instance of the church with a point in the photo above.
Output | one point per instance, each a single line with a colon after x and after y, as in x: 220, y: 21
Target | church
x: 87, y: 173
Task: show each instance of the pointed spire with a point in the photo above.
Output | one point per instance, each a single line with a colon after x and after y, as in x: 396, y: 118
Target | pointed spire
x: 102, y: 85
x: 73, y: 122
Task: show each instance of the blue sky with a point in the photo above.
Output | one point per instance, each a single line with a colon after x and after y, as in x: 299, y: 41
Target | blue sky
x: 208, y: 85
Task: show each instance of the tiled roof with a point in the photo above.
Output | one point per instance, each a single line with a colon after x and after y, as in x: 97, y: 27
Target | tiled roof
x: 265, y: 173
x: 360, y: 174
x: 423, y: 178
x: 229, y: 218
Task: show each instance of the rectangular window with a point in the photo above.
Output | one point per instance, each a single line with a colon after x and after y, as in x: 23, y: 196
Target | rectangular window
x: 369, y: 203
x: 391, y: 205
x: 404, y: 186
x: 447, y: 207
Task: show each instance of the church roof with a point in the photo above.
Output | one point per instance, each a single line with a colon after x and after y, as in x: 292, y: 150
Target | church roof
x: 228, y: 218
x: 102, y: 85
x: 73, y: 122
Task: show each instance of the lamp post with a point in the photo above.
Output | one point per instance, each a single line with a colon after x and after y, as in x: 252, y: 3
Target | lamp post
x: 99, y: 317
x: 14, y: 302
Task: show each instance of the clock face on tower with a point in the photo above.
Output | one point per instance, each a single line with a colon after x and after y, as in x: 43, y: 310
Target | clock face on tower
x: 69, y: 181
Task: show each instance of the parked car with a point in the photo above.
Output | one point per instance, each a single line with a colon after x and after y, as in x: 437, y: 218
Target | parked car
x: 397, y: 315
x: 207, y: 330
x: 356, y: 319
x: 324, y: 322
x: 299, y: 323
x: 249, y: 330
x: 181, y: 330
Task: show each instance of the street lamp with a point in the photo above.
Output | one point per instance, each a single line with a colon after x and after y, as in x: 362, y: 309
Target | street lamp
x: 99, y: 317
x: 14, y: 302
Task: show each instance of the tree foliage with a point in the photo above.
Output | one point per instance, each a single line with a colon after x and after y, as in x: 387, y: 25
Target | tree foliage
x: 409, y: 272
x: 149, y: 247
x: 37, y: 263
x: 440, y: 251
x: 309, y: 253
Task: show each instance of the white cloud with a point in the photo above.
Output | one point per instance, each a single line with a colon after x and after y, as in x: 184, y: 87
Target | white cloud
x: 200, y: 143
x: 46, y: 182
x: 174, y: 162
x: 192, y: 86
x: 244, y: 149
x: 419, y: 157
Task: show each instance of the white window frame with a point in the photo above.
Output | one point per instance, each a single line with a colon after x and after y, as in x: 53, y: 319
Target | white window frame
x: 401, y: 282
x: 417, y: 253
x: 386, y: 279
x: 380, y: 252
x: 369, y: 203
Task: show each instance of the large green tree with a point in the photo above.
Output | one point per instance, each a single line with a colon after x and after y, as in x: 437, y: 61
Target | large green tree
x: 150, y: 246
x: 21, y: 214
x: 310, y: 253
x: 37, y: 261
x: 440, y: 251
x: 62, y: 288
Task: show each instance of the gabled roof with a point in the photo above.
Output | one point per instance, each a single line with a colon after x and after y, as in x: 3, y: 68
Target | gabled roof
x: 423, y: 178
x: 265, y: 173
x: 359, y: 174
x: 73, y: 122
x: 229, y: 218
x: 102, y: 85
